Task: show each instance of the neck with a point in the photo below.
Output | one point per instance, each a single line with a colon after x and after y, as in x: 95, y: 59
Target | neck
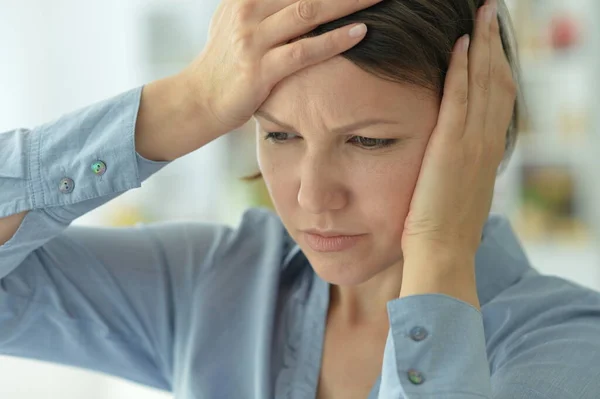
x: 366, y: 303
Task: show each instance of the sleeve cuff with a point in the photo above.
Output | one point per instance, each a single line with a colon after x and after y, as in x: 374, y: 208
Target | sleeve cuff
x: 66, y: 150
x: 435, y: 348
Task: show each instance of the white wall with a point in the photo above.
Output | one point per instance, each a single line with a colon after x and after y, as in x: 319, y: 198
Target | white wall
x: 60, y: 55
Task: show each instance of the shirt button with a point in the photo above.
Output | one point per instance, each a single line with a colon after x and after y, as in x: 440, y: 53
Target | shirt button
x: 418, y: 333
x: 416, y: 377
x: 99, y: 168
x: 66, y: 185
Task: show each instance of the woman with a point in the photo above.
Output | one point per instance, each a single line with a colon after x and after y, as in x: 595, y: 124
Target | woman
x: 382, y: 274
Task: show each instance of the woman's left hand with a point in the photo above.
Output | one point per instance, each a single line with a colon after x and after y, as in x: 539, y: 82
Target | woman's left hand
x: 453, y: 194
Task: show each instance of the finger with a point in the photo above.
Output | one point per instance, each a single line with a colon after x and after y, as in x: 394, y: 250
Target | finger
x: 453, y: 109
x: 259, y: 10
x: 502, y: 94
x: 303, y: 16
x: 286, y: 60
x: 479, y: 72
x: 270, y: 7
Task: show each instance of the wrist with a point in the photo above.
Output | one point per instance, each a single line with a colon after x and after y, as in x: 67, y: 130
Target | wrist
x: 443, y: 257
x: 452, y: 274
x: 196, y: 99
x: 172, y: 120
x: 436, y: 267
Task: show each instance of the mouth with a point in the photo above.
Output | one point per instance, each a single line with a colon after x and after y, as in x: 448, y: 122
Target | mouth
x: 331, y: 241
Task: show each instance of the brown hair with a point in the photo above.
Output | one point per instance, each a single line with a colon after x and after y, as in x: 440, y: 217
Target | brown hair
x: 411, y: 41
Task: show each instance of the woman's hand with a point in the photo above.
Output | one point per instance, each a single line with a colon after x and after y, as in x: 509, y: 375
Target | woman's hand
x: 250, y: 48
x: 248, y: 53
x: 453, y: 195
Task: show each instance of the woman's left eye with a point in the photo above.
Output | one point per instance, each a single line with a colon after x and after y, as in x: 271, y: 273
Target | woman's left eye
x: 278, y: 137
x: 370, y: 143
x: 360, y: 141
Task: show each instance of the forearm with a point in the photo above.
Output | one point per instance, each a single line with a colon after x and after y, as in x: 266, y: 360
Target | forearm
x: 452, y: 275
x: 172, y: 120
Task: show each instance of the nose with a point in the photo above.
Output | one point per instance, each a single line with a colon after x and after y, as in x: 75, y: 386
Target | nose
x: 320, y: 187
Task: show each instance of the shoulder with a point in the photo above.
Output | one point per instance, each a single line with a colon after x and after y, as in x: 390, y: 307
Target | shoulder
x: 540, y: 322
x: 260, y: 235
x: 528, y: 290
x: 542, y: 330
x: 260, y: 228
x: 517, y: 299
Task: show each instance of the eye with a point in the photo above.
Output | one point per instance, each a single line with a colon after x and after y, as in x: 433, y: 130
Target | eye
x: 279, y: 137
x: 369, y: 143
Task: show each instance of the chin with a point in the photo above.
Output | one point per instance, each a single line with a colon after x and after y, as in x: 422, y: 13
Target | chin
x: 340, y: 272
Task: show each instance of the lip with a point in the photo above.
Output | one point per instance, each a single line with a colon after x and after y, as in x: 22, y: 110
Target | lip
x: 329, y: 233
x: 331, y: 241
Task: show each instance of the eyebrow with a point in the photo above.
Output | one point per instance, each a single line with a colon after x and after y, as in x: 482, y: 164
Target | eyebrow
x: 337, y: 130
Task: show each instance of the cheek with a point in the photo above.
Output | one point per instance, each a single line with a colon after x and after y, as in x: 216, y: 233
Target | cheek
x: 384, y: 198
x: 282, y: 188
x: 386, y: 191
x: 279, y: 178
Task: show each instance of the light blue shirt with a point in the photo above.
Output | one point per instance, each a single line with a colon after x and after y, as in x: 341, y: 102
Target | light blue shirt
x: 211, y: 312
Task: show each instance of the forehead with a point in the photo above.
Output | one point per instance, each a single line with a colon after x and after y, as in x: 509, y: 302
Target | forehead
x: 337, y: 91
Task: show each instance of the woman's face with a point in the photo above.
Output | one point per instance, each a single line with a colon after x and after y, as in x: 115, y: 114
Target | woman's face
x: 356, y: 181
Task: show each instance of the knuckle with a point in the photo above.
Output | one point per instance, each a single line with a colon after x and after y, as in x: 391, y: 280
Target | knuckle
x: 505, y: 80
x: 242, y: 41
x: 245, y: 68
x: 487, y: 34
x: 509, y: 84
x: 297, y: 53
x: 461, y: 96
x: 494, y: 69
x: 307, y: 10
x: 503, y: 77
x: 482, y: 81
x: 244, y: 10
x: 329, y: 43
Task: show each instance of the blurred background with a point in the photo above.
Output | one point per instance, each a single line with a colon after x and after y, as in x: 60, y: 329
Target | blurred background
x: 65, y: 54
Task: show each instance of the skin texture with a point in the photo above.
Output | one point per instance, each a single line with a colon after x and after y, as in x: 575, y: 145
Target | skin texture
x: 323, y: 179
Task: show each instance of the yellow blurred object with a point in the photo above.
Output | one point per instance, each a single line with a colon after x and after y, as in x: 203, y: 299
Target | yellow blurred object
x: 573, y: 123
x: 126, y: 215
x: 261, y: 194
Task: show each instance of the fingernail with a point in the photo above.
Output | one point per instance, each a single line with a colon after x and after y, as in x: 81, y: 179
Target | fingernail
x: 358, y: 30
